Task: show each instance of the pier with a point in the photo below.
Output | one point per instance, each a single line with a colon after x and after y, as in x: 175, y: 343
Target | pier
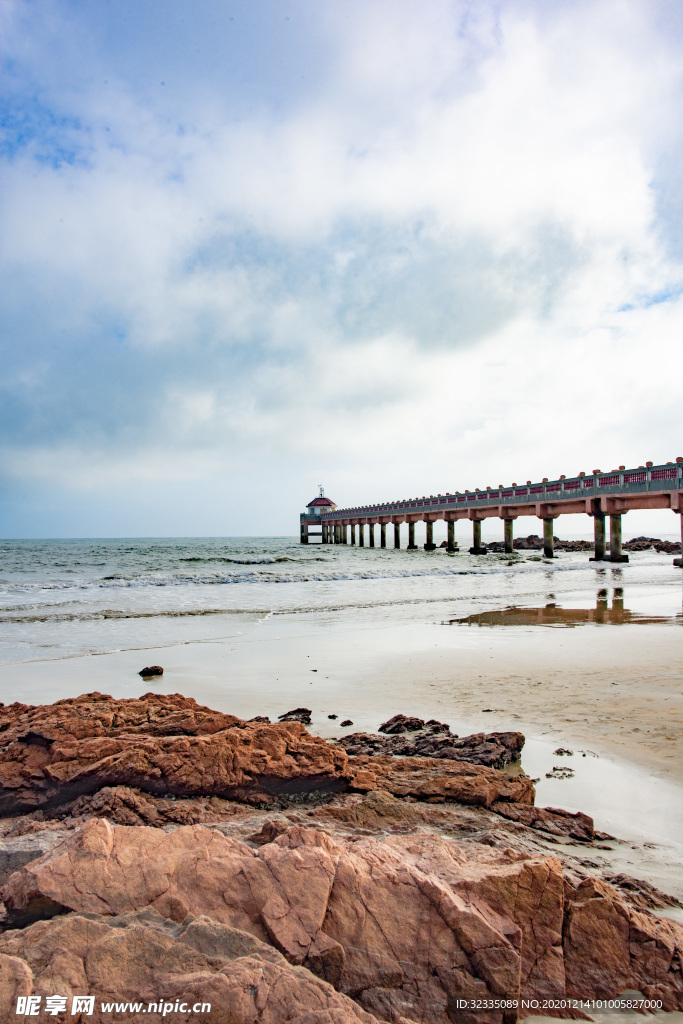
x: 606, y: 497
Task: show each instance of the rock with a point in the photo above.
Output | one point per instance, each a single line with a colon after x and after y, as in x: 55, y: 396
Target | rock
x: 440, y: 909
x: 160, y: 744
x: 401, y: 723
x: 642, y: 894
x: 549, y: 819
x: 646, y: 543
x: 260, y: 718
x: 151, y: 670
x: 609, y: 946
x: 434, y: 739
x: 346, y: 722
x: 141, y: 957
x: 560, y: 772
x: 127, y: 806
x: 563, y: 752
x: 433, y: 779
x: 332, y: 716
x: 302, y: 715
x: 15, y: 853
x: 406, y: 925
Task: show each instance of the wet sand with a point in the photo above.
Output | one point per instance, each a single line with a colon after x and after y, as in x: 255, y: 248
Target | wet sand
x: 616, y: 690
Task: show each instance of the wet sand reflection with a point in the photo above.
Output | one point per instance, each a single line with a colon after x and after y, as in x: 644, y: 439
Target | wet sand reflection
x: 553, y: 614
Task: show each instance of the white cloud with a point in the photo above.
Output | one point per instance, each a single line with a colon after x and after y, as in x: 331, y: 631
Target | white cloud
x: 428, y: 251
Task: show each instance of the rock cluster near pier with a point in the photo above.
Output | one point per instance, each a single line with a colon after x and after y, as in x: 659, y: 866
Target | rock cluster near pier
x: 392, y: 891
x: 414, y: 737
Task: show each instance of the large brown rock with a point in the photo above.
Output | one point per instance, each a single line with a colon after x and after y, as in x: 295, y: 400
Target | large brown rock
x: 611, y: 946
x: 365, y: 916
x: 161, y: 744
x: 406, y: 926
x: 143, y: 958
x: 554, y: 820
x: 436, y: 780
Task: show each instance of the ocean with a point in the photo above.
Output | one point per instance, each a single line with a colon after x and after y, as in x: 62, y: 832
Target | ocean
x: 69, y: 598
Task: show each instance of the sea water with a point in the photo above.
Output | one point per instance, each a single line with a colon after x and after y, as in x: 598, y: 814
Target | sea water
x: 66, y: 598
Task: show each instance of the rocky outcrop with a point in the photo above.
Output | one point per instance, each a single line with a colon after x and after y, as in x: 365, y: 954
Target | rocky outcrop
x: 434, y: 780
x: 127, y: 806
x: 421, y: 881
x: 144, y: 958
x: 535, y: 543
x: 413, y: 737
x: 156, y: 748
x: 669, y: 547
x: 302, y: 715
x: 554, y: 820
x: 610, y: 946
x: 405, y: 926
x: 160, y: 744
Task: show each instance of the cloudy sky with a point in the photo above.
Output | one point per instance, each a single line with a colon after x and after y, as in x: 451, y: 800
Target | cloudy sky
x: 247, y: 246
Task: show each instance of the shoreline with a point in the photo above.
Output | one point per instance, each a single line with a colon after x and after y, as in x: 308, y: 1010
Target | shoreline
x: 583, y: 686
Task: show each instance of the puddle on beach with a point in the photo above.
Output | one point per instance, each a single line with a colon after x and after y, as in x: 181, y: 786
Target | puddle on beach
x: 552, y: 614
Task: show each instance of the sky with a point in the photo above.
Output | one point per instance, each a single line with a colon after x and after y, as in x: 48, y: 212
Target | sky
x: 251, y: 246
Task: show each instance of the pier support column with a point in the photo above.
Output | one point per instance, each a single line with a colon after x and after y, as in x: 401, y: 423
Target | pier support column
x: 452, y: 546
x: 383, y: 535
x: 304, y: 533
x: 397, y: 535
x: 361, y: 535
x: 508, y: 536
x: 548, y: 544
x: 371, y: 534
x: 324, y: 534
x: 430, y: 545
x: 679, y: 561
x: 615, y: 551
x: 599, y: 534
x: 412, y: 546
x: 477, y: 548
x: 345, y: 535
x: 353, y: 533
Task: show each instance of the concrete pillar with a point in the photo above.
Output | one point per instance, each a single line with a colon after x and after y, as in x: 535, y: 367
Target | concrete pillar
x: 324, y: 531
x: 383, y: 535
x: 412, y: 546
x: 452, y: 546
x: 599, y: 534
x: 507, y: 533
x: 477, y: 548
x: 615, y: 551
x: 304, y: 533
x: 353, y: 533
x: 345, y: 535
x: 397, y: 535
x: 679, y: 561
x: 548, y: 546
x: 371, y: 534
x: 361, y: 535
x: 430, y: 545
